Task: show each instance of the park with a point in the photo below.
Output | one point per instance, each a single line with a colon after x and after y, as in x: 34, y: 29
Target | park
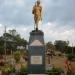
x: 34, y: 56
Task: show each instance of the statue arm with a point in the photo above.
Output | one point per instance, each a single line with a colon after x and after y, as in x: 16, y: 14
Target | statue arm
x: 41, y: 12
x: 33, y: 11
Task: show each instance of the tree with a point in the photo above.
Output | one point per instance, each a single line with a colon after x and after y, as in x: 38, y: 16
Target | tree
x: 14, y: 36
x: 50, y: 46
x: 60, y: 45
x: 1, y: 45
x: 10, y: 42
x: 19, y: 41
x: 13, y: 32
x: 70, y: 50
x: 13, y: 39
x: 1, y: 50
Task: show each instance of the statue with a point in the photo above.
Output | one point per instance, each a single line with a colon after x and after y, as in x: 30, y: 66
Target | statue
x: 37, y: 9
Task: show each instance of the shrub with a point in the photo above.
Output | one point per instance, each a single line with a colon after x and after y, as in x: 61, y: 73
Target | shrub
x: 9, y: 70
x: 70, y: 73
x: 24, y: 70
x: 25, y: 55
x: 17, y: 56
x: 70, y: 57
x: 73, y: 59
x: 54, y: 71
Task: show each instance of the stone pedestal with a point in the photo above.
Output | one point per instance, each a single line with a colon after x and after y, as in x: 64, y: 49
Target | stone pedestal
x: 36, y: 52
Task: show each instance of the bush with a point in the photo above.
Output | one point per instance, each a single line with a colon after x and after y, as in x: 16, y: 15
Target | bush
x: 53, y: 71
x: 71, y: 57
x: 24, y: 70
x: 25, y: 55
x: 70, y: 73
x: 9, y: 70
x: 17, y: 56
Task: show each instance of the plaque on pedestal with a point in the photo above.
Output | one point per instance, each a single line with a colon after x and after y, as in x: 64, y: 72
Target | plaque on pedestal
x: 36, y: 60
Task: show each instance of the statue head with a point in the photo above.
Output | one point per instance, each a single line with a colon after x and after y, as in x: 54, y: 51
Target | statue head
x: 38, y: 2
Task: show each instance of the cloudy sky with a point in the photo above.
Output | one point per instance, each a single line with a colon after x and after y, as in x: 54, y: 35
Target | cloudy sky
x: 58, y: 18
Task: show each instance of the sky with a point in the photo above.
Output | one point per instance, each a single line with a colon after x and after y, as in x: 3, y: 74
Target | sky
x: 58, y: 18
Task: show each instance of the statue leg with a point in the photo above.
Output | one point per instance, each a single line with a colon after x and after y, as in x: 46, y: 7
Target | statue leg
x: 36, y: 21
x: 34, y: 26
x: 37, y: 25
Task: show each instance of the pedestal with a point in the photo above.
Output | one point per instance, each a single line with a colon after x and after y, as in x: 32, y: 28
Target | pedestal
x: 36, y: 49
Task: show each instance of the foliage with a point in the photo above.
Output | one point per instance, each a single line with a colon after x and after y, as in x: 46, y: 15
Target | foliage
x: 70, y: 50
x: 25, y: 55
x: 9, y: 70
x: 19, y: 41
x: 60, y: 45
x: 17, y: 56
x: 2, y: 50
x: 49, y: 45
x: 17, y: 38
x: 13, y: 32
x: 1, y: 46
x: 70, y: 73
x: 1, y: 41
x: 13, y: 39
x: 24, y: 70
x: 71, y: 57
x: 54, y: 71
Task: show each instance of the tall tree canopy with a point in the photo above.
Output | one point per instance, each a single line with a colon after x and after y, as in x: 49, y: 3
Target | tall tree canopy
x: 60, y: 45
x: 13, y: 39
x: 50, y: 46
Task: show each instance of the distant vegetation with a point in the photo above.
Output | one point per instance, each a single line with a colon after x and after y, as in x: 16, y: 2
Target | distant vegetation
x: 12, y: 40
x: 62, y: 46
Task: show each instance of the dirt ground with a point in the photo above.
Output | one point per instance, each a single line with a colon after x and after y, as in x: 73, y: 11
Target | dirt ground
x: 59, y: 62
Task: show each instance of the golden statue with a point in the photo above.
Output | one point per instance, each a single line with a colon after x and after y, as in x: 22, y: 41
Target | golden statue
x: 37, y: 9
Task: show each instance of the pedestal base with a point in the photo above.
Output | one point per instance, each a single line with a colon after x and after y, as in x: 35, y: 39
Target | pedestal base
x: 36, y: 53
